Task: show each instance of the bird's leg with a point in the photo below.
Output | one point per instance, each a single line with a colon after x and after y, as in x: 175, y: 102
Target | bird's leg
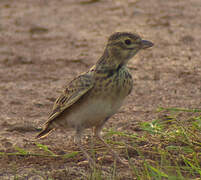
x: 97, y: 133
x: 79, y: 143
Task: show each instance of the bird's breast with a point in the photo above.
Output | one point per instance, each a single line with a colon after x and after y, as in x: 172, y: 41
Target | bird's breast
x: 117, y: 86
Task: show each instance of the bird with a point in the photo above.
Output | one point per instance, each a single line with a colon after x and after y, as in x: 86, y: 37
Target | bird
x: 89, y: 100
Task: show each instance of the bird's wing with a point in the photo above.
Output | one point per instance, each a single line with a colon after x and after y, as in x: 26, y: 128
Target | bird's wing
x: 72, y: 93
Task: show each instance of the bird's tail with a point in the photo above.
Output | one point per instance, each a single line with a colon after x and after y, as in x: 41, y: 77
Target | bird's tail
x: 46, y: 131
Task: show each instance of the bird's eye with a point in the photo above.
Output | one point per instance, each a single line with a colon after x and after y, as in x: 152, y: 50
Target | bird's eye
x: 127, y: 41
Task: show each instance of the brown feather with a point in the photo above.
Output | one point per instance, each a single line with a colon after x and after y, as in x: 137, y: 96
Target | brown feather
x: 45, y: 132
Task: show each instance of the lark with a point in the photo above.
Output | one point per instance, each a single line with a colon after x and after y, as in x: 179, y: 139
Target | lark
x: 93, y: 97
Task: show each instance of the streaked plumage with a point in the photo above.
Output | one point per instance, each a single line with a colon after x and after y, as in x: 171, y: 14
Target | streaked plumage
x: 93, y: 97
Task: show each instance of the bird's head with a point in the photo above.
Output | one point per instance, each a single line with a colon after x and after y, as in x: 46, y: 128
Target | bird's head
x: 122, y: 46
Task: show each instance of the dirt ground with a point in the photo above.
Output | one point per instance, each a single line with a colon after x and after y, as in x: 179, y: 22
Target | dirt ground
x: 45, y: 43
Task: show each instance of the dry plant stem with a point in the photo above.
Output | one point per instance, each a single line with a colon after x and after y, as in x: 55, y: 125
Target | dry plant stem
x: 115, y: 155
x: 91, y: 161
x: 79, y: 143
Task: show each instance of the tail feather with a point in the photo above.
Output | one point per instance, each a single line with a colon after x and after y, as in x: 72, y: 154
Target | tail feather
x: 46, y: 131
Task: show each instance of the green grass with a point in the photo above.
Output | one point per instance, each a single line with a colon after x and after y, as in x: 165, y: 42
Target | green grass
x: 166, y: 148
x: 46, y: 152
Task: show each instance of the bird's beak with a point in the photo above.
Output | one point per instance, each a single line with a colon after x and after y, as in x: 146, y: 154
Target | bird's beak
x: 145, y: 44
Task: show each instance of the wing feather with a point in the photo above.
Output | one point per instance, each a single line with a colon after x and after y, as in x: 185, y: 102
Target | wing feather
x: 72, y: 93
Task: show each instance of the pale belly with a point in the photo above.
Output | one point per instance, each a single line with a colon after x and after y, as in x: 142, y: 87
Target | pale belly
x: 92, y: 113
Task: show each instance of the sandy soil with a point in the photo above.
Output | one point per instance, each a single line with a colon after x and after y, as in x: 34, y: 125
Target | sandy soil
x: 45, y: 43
